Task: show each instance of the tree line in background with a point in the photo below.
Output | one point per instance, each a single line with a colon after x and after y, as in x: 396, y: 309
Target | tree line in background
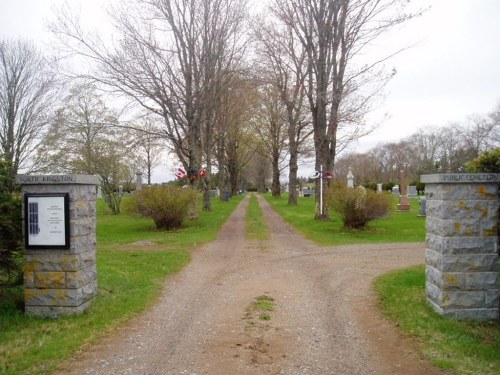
x: 203, y: 81
x: 245, y: 97
x: 429, y: 150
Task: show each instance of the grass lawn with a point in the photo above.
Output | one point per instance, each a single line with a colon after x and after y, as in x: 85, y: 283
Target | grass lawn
x: 398, y: 227
x: 130, y: 279
x: 255, y: 226
x: 462, y: 347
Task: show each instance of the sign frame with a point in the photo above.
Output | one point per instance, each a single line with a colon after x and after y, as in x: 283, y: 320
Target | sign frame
x: 35, y: 220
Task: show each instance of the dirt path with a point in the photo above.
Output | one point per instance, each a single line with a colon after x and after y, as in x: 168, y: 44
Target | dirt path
x: 324, y: 319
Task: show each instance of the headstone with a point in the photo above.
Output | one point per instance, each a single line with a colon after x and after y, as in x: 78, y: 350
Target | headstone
x: 422, y: 204
x: 309, y: 192
x: 379, y: 188
x: 395, y: 190
x: 350, y: 179
x: 138, y: 181
x: 120, y: 190
x: 59, y: 214
x: 403, y: 204
x: 462, y: 260
x: 412, y: 191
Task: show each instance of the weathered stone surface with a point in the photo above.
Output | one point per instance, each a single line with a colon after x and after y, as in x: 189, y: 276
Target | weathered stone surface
x: 460, y: 299
x: 468, y: 263
x: 82, y: 226
x: 476, y: 210
x: 55, y: 179
x: 60, y: 297
x: 81, y: 209
x: 471, y: 314
x: 79, y: 279
x: 481, y: 280
x: 29, y: 279
x: 458, y: 192
x: 492, y: 299
x: 83, y: 244
x: 50, y: 280
x: 62, y: 261
x: 432, y: 258
x: 461, y: 255
x: 64, y: 282
x: 445, y: 281
x: 453, y: 227
x: 462, y: 178
x: 462, y: 280
x: 56, y: 311
x: 461, y: 245
x: 433, y: 293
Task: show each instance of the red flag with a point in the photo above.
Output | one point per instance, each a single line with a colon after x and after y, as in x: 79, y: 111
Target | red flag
x: 181, y: 172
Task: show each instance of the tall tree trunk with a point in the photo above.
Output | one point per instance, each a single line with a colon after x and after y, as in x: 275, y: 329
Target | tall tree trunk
x: 276, y: 185
x: 292, y: 177
x: 276, y: 188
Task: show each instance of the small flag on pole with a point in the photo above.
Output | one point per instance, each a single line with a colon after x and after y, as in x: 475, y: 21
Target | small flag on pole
x: 181, y: 172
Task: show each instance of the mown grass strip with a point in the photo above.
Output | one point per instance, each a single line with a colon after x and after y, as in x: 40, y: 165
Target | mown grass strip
x: 255, y: 225
x: 129, y: 282
x: 462, y: 347
x: 397, y: 227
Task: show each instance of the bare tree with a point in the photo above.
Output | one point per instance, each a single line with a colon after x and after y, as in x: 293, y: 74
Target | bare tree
x: 479, y: 133
x: 429, y: 150
x: 173, y: 58
x: 283, y: 62
x: 26, y: 101
x: 149, y: 143
x: 333, y: 33
x: 271, y: 131
x: 232, y: 133
x: 84, y: 138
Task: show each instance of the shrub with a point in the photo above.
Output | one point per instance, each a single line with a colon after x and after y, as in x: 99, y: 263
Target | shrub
x: 487, y: 162
x: 420, y: 186
x: 357, y: 206
x: 10, y: 230
x: 371, y: 186
x: 167, y: 205
x: 388, y: 186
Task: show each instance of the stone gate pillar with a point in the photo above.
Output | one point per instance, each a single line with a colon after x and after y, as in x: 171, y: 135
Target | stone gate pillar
x: 59, y: 211
x: 462, y: 251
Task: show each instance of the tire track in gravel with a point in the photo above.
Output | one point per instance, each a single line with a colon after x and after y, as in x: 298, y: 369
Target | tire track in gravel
x: 325, y: 319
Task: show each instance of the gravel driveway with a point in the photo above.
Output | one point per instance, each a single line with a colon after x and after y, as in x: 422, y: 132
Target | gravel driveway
x: 324, y: 320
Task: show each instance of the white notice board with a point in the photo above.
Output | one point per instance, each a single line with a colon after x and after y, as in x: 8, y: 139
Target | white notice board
x: 46, y: 218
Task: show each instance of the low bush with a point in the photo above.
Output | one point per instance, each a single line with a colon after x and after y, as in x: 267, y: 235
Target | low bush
x: 167, y: 205
x: 371, y: 186
x: 357, y: 206
x: 388, y: 186
x: 487, y: 162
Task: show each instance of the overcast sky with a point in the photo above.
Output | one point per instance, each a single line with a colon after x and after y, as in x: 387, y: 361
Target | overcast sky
x: 452, y: 72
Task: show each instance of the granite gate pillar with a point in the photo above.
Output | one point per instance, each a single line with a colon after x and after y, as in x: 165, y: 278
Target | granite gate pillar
x: 461, y: 245
x: 59, y: 217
